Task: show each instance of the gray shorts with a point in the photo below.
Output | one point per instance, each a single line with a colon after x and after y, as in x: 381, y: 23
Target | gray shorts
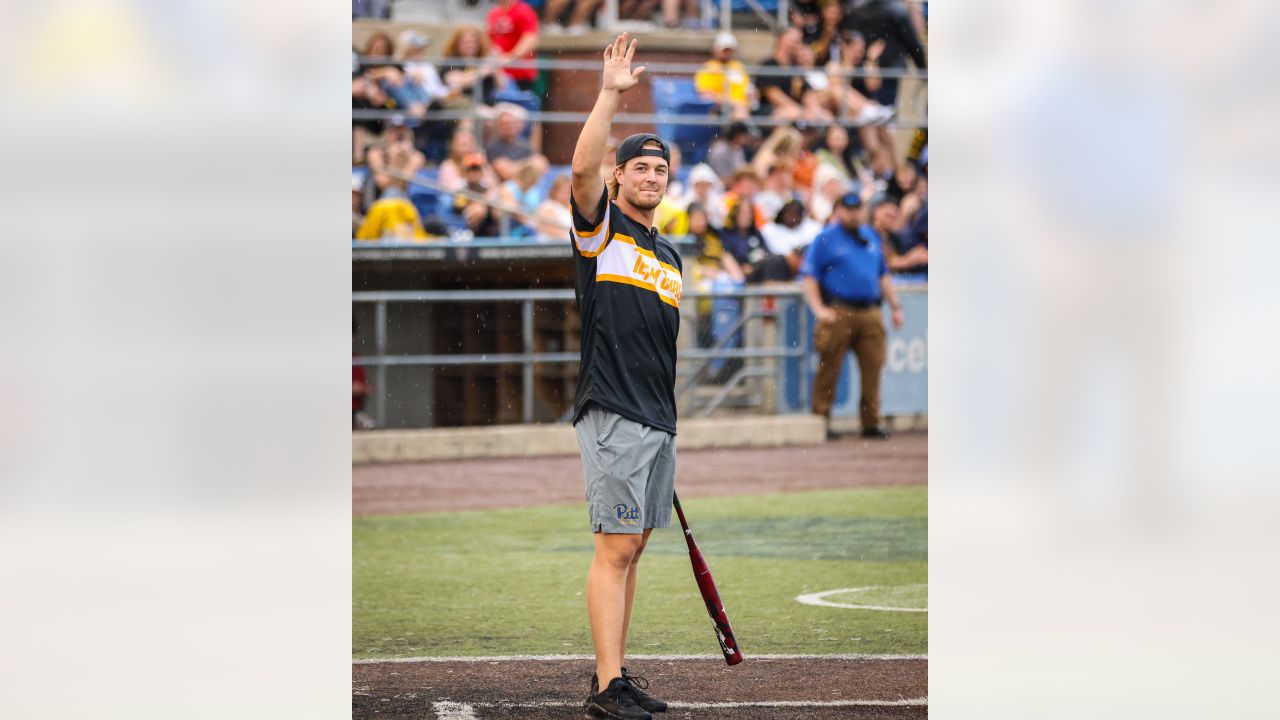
x: 629, y: 470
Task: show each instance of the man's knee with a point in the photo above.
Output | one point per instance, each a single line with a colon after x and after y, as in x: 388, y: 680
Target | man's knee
x: 620, y: 550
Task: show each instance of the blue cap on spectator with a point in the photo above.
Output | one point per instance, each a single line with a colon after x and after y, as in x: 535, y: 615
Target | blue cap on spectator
x: 850, y: 199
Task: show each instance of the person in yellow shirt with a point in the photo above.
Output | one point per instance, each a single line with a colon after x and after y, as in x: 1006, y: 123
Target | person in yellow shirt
x: 392, y: 217
x: 724, y: 80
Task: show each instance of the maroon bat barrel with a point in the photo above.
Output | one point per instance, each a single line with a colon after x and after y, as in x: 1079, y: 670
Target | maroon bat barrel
x: 711, y: 596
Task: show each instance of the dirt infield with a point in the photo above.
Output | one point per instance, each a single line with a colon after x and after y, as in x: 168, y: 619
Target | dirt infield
x: 488, y: 484
x: 760, y: 689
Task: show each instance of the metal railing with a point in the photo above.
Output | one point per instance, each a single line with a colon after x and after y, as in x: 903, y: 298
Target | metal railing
x: 692, y: 361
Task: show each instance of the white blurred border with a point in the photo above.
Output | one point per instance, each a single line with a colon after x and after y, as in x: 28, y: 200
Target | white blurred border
x: 1102, y: 483
x: 174, y: 480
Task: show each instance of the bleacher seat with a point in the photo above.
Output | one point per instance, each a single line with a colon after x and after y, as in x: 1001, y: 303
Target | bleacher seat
x: 677, y: 96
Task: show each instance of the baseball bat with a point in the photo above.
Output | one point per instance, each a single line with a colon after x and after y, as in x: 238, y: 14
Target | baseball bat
x: 711, y: 596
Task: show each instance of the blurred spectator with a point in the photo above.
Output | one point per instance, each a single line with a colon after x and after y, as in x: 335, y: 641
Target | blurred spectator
x: 683, y: 14
x: 508, y: 148
x: 915, y: 235
x: 792, y: 228
x: 788, y: 97
x: 553, y: 214
x: 902, y: 182
x: 836, y: 152
x: 729, y: 151
x: 884, y: 224
x: 888, y: 20
x: 706, y: 190
x: 392, y: 217
x: 641, y: 10
x: 804, y: 16
x: 828, y: 186
x: 741, y: 238
x: 786, y: 147
x: 724, y: 81
x: 778, y: 190
x: 376, y: 57
x: 420, y: 83
x: 452, y: 176
x: 513, y: 30
x: 743, y: 186
x: 481, y: 218
x: 521, y: 191
x: 711, y: 252
x: 469, y: 43
x: 853, y: 54
x: 357, y: 202
x: 778, y: 268
x: 879, y: 170
x: 579, y: 11
x: 366, y: 94
x: 831, y: 15
x: 394, y: 158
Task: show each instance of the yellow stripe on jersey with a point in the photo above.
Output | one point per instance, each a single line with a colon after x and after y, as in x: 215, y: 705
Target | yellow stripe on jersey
x: 632, y: 241
x: 637, y: 283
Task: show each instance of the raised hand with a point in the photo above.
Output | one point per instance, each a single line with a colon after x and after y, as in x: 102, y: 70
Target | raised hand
x: 618, y: 74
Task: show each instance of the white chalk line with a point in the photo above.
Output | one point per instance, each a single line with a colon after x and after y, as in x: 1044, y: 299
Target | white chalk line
x: 657, y: 658
x: 902, y: 702
x: 454, y: 711
x: 818, y: 599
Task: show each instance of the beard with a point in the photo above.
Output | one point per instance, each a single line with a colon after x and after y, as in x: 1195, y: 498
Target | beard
x: 633, y: 196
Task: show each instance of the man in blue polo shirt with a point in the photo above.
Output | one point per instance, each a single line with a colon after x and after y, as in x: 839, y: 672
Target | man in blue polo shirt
x: 845, y: 281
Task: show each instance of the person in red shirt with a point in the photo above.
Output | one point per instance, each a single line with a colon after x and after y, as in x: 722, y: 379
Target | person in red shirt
x: 513, y: 30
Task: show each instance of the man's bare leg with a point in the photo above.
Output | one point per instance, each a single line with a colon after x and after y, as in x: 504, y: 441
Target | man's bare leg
x: 608, y: 599
x: 632, y: 573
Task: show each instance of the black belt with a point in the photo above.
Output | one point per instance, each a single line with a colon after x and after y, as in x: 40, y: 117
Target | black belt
x: 857, y: 304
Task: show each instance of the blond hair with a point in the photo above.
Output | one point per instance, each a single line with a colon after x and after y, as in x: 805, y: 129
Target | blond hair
x: 611, y: 183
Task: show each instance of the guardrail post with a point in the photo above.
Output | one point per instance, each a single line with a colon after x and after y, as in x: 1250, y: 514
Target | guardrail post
x: 380, y: 348
x: 526, y: 336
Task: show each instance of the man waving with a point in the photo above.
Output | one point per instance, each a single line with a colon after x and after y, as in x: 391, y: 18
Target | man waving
x: 627, y: 280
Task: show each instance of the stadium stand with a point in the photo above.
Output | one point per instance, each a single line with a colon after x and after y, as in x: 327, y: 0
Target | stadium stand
x: 415, y: 72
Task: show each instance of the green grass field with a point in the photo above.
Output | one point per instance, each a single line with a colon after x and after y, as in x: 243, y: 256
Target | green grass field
x: 511, y: 581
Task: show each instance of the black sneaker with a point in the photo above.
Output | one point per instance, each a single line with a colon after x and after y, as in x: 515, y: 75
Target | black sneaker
x: 617, y: 702
x: 638, y: 687
x: 875, y: 433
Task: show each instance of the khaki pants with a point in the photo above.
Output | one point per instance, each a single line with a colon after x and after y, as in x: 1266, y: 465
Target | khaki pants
x: 859, y: 330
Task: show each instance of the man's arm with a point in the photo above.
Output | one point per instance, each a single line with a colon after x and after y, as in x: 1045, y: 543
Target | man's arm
x: 586, y: 183
x: 888, y: 292
x: 813, y: 296
x: 896, y: 262
x: 525, y: 45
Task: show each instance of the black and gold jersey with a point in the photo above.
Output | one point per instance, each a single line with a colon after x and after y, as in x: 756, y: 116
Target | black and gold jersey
x: 628, y: 284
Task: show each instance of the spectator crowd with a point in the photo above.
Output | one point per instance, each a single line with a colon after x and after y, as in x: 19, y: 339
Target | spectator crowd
x: 792, y: 145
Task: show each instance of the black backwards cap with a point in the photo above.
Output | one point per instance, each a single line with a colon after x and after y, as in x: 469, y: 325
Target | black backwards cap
x: 633, y: 147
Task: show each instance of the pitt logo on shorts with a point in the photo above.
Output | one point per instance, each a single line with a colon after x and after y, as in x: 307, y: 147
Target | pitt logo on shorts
x: 627, y: 515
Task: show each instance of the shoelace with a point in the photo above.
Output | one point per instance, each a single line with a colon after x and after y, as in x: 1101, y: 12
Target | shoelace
x: 636, y: 680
